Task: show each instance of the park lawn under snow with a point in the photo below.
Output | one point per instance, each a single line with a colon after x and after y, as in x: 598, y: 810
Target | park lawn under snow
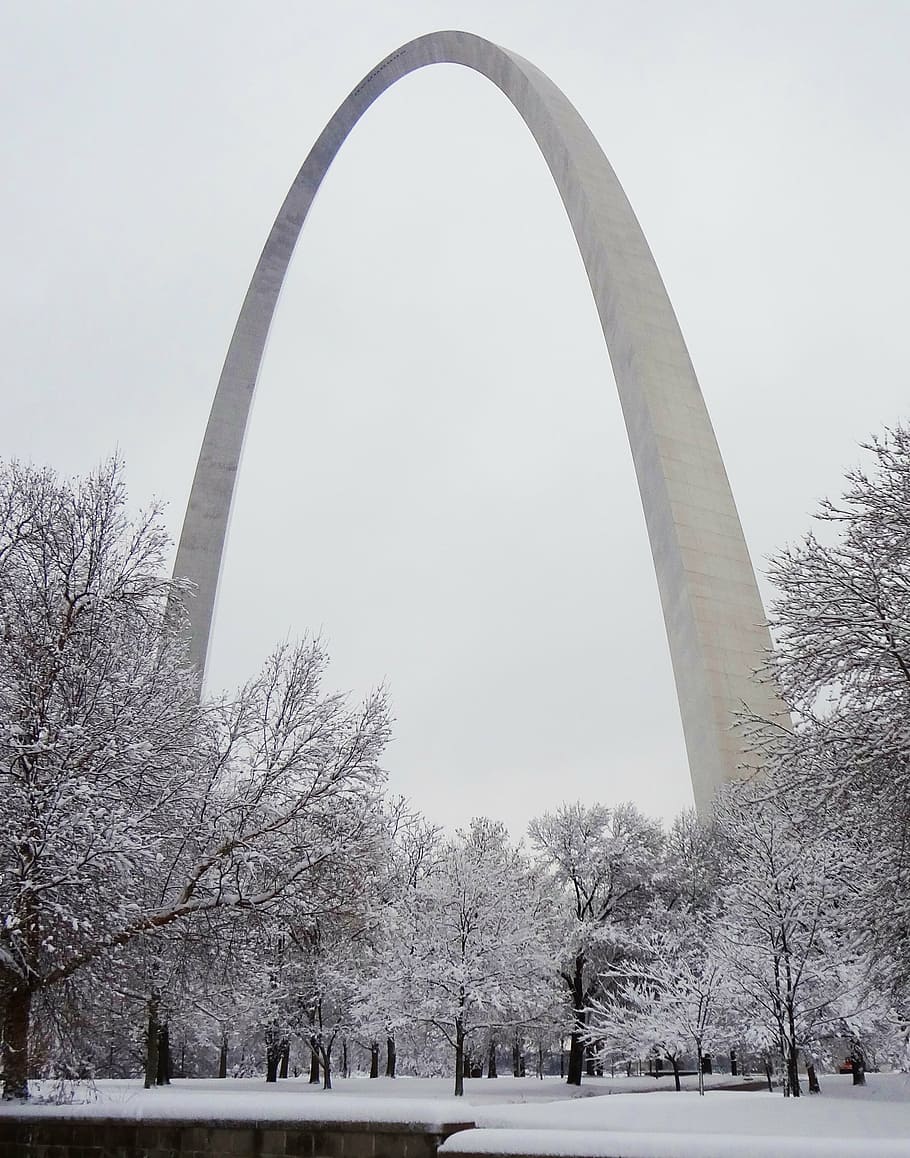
x: 531, y: 1117
x: 844, y: 1122
x: 425, y: 1100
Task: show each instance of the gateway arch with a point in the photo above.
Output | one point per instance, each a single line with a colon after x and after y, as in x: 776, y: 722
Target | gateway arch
x: 712, y: 609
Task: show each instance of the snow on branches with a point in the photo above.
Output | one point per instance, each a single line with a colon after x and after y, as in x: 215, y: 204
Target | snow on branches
x: 127, y: 807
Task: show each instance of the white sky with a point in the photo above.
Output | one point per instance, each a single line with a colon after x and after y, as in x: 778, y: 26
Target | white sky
x: 436, y: 476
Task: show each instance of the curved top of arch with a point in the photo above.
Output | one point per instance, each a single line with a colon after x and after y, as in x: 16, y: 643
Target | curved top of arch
x: 712, y: 610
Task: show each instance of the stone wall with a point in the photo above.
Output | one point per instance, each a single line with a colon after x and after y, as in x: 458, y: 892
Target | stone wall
x: 80, y: 1137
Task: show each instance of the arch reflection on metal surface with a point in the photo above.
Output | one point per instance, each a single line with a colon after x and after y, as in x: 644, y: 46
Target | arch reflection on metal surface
x: 713, y: 613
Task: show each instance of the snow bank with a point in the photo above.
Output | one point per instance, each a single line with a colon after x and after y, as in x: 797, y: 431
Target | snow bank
x: 181, y: 1103
x: 556, y: 1143
x: 880, y: 1110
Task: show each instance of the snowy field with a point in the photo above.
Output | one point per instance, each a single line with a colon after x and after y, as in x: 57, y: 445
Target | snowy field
x: 535, y: 1117
x: 404, y: 1099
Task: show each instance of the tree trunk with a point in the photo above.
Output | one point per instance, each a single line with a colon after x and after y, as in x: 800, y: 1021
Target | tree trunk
x: 345, y: 1068
x: 152, y: 1037
x: 814, y: 1087
x: 734, y: 1069
x: 272, y: 1053
x: 768, y: 1075
x: 459, y: 1059
x: 326, y: 1067
x: 793, y: 1070
x: 784, y: 1061
x: 576, y: 1059
x: 674, y: 1061
x: 374, y: 1059
x: 17, y: 1015
x: 792, y: 1055
x: 518, y: 1061
x: 391, y: 1057
x: 701, y: 1070
x: 285, y: 1059
x: 222, y: 1056
x: 576, y: 1043
x: 314, y: 1061
x: 858, y: 1065
x: 164, y: 1067
x: 491, y: 1058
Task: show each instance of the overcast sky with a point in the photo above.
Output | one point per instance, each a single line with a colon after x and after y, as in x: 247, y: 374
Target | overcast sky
x: 437, y: 477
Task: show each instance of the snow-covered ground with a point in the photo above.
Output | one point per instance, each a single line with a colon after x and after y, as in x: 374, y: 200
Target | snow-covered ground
x: 546, y: 1118
x: 844, y: 1122
x: 404, y: 1099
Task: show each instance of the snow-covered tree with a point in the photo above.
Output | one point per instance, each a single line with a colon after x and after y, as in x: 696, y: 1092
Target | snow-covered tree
x: 672, y: 999
x: 126, y: 808
x: 410, y: 856
x: 841, y: 622
x: 602, y: 863
x: 842, y: 659
x: 224, y: 995
x: 794, y: 949
x: 98, y: 720
x: 469, y: 944
x: 694, y: 863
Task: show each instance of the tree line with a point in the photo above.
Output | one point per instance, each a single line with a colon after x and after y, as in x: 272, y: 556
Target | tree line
x: 225, y: 885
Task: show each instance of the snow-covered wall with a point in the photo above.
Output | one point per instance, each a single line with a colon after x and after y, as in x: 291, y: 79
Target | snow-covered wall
x: 69, y: 1136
